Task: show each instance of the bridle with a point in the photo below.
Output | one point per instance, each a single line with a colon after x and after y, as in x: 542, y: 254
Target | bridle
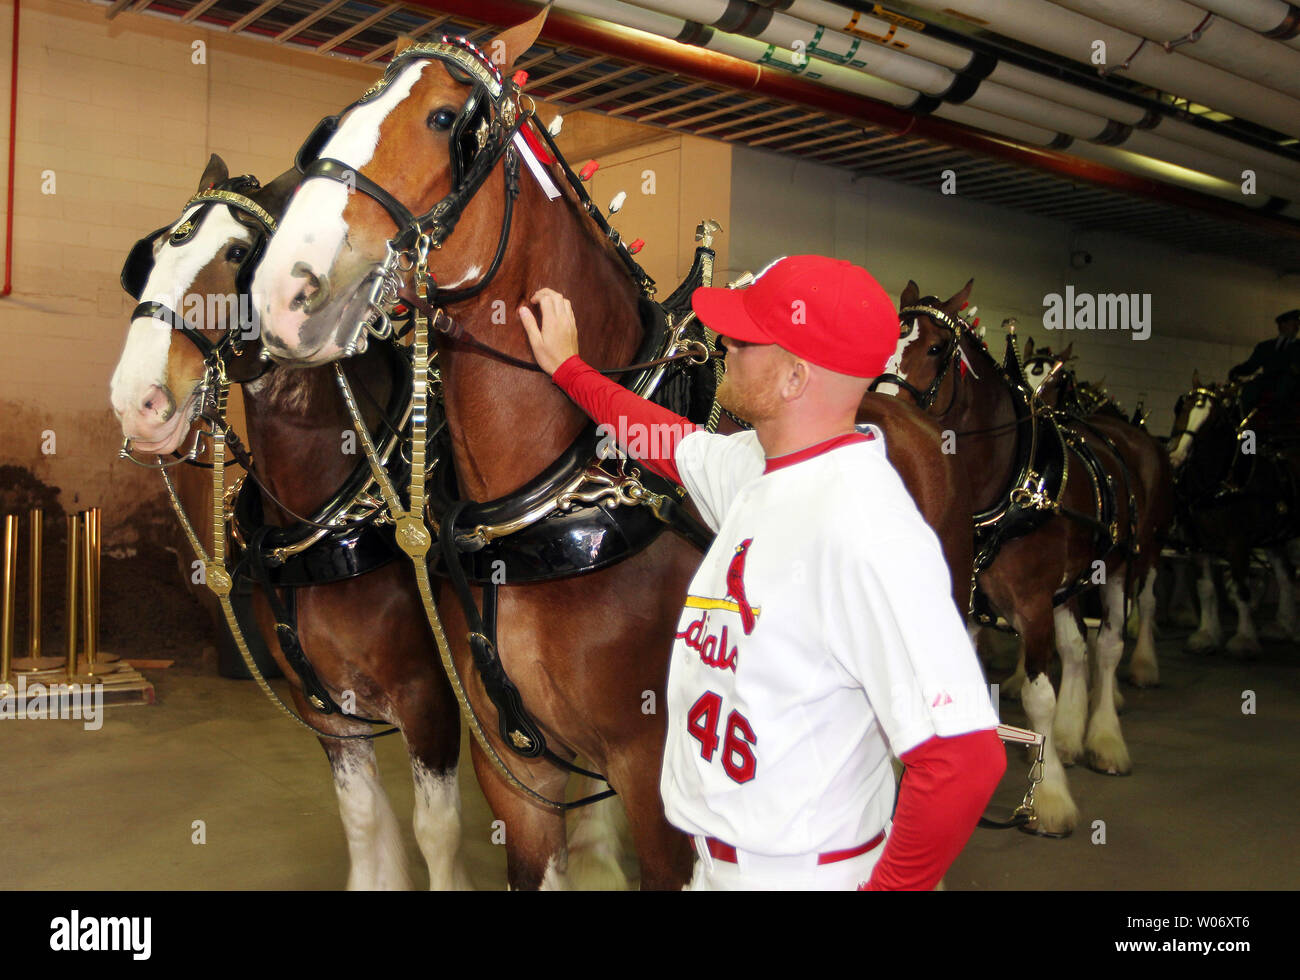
x: 956, y: 327
x: 228, y: 359
x: 481, y: 136
x: 489, y: 128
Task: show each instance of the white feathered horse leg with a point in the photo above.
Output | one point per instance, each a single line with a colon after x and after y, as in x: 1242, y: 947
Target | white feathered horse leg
x: 1105, y: 746
x: 375, y: 848
x: 1143, y: 671
x: 596, y: 842
x: 437, y: 826
x: 1245, y: 643
x: 1209, y: 635
x: 1287, y: 624
x: 1072, y: 701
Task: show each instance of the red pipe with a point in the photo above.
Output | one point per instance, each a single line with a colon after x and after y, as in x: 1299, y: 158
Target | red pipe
x: 566, y: 28
x: 13, y: 142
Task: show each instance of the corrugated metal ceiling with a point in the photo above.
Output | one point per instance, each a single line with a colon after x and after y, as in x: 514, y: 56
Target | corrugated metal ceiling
x: 576, y: 79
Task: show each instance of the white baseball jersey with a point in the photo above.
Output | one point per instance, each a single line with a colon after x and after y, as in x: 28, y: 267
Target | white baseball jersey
x: 818, y: 635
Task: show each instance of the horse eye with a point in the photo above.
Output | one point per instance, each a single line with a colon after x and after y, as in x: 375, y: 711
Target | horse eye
x: 236, y: 253
x: 934, y: 351
x: 441, y: 118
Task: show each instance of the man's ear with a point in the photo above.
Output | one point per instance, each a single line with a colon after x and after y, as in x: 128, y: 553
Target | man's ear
x: 509, y: 46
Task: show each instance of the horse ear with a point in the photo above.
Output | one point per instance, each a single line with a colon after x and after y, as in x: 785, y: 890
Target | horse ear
x: 509, y: 46
x: 1068, y: 352
x: 958, y: 300
x: 275, y: 195
x: 1029, y: 348
x: 217, y: 172
x: 404, y: 41
x: 1196, y: 377
x: 911, y: 293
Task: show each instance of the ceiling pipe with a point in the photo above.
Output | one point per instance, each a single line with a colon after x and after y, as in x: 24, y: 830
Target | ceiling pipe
x: 1202, y: 36
x: 1274, y: 19
x: 973, y: 89
x: 1073, y: 35
x: 563, y: 27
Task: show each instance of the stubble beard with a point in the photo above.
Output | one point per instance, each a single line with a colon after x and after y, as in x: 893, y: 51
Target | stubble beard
x: 755, y: 402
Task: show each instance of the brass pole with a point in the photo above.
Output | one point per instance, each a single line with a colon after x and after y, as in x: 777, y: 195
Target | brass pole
x: 10, y: 595
x: 34, y: 626
x: 74, y: 546
x: 88, y: 598
x: 98, y: 553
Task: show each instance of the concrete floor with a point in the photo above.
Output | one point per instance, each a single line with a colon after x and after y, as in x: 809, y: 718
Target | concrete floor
x: 1211, y: 803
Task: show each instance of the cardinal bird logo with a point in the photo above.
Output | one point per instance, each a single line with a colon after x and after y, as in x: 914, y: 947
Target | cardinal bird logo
x: 736, y: 585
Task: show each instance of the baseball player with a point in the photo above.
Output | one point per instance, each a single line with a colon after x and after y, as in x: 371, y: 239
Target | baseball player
x: 819, y: 634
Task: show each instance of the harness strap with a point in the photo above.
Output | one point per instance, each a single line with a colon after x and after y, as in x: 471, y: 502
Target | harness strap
x: 518, y: 731
x: 286, y: 631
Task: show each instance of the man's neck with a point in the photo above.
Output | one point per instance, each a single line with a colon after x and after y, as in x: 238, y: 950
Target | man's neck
x: 780, y: 437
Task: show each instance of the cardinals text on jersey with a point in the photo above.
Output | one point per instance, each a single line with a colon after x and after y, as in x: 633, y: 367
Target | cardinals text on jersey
x: 819, y: 635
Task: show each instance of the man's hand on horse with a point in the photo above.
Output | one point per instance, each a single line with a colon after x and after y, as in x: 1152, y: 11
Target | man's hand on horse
x: 556, y: 340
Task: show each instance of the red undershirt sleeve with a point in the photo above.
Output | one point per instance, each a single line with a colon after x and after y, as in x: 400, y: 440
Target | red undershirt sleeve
x: 625, y: 414
x: 947, y: 785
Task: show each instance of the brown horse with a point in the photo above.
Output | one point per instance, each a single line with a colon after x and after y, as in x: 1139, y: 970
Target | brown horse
x: 588, y: 654
x: 297, y: 433
x: 1234, y: 496
x: 1058, y: 387
x: 943, y: 365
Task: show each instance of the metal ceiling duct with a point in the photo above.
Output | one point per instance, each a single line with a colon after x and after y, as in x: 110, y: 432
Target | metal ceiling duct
x: 973, y: 86
x: 776, y: 80
x: 1202, y: 36
x: 1065, y: 32
x: 1274, y: 19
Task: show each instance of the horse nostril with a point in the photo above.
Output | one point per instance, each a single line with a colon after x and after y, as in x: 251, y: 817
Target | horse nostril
x: 161, y: 401
x: 314, y: 293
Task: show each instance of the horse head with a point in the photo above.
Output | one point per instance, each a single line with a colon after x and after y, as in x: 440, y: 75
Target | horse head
x: 1045, y: 371
x: 1203, y: 423
x: 387, y: 178
x: 929, y: 341
x: 192, y: 278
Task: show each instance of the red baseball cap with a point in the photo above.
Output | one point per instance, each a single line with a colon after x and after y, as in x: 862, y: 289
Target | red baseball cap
x: 827, y: 311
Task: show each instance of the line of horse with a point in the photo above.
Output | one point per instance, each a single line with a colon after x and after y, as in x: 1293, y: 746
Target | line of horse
x: 1034, y: 505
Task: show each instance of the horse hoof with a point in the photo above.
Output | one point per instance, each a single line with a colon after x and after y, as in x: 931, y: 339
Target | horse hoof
x: 1055, y: 814
x: 1033, y: 830
x: 1243, y: 646
x: 1109, y: 756
x: 1201, y: 643
x: 1141, y: 680
x: 1068, y: 750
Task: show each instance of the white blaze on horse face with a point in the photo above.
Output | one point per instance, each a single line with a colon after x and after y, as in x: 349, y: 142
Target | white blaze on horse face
x: 1183, y: 444
x: 312, y: 231
x: 1036, y: 374
x: 895, y: 363
x: 143, y: 364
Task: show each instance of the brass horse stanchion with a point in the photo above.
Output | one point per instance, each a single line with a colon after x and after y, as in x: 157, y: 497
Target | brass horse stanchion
x: 10, y: 594
x: 34, y: 663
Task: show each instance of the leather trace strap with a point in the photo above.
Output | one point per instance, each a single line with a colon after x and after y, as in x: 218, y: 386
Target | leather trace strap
x: 518, y: 731
x: 286, y: 631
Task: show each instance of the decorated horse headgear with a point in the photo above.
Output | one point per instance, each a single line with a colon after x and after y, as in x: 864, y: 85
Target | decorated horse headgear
x: 140, y: 260
x: 232, y: 193
x: 932, y: 307
x: 479, y: 136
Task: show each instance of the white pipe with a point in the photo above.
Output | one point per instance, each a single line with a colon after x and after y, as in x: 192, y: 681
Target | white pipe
x: 1024, y: 128
x: 1263, y: 16
x: 1150, y: 144
x: 1249, y: 156
x: 1073, y: 35
x: 1223, y: 43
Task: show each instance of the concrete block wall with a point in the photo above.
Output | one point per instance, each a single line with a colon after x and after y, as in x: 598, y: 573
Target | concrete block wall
x: 1207, y: 313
